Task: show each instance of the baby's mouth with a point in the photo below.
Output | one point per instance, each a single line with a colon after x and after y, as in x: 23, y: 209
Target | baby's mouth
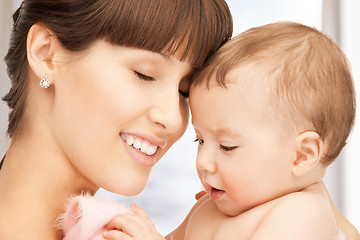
x: 215, y: 193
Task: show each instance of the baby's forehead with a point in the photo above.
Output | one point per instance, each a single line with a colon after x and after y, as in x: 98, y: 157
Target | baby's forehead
x: 248, y: 77
x: 237, y: 89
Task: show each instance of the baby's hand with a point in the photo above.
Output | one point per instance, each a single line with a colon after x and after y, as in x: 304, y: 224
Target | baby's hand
x: 137, y: 226
x: 200, y: 194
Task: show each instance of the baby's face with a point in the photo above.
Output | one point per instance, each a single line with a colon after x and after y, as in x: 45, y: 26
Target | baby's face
x: 242, y: 160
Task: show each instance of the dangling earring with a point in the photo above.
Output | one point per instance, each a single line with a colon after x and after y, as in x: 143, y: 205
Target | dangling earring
x: 44, y: 82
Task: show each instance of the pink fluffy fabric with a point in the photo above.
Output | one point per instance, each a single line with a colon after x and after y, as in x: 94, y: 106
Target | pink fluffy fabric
x: 86, y: 216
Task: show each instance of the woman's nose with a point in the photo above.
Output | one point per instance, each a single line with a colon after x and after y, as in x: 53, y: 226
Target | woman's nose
x: 168, y: 112
x: 205, y: 160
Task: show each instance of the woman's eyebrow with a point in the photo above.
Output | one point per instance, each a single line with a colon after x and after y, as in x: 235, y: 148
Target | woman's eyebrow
x: 164, y: 56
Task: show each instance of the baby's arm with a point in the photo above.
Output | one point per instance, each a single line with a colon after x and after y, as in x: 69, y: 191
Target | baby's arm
x: 137, y: 226
x: 179, y: 232
x: 298, y: 216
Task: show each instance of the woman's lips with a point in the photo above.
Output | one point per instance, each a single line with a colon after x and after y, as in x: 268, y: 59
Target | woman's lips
x: 140, y: 157
x: 216, y: 194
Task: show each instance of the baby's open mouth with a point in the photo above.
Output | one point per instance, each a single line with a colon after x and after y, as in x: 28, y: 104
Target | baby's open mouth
x: 215, y: 193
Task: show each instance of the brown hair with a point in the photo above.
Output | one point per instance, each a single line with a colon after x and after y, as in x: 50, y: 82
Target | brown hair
x: 307, y: 75
x: 199, y: 27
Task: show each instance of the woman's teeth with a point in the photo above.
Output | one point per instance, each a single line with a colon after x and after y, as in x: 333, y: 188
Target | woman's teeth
x: 142, y: 145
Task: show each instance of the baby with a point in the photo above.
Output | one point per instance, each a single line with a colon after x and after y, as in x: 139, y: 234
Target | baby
x: 272, y: 109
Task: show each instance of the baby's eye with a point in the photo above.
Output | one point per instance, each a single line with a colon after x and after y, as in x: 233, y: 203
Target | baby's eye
x: 143, y: 77
x: 200, y: 141
x: 227, y: 148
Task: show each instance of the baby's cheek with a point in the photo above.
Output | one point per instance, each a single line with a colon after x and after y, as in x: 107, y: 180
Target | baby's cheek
x: 233, y: 185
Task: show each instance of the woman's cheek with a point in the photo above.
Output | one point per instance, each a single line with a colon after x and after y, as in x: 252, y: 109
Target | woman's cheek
x: 184, y: 109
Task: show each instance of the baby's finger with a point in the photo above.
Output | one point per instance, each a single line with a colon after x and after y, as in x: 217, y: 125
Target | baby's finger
x: 117, y: 223
x: 129, y: 224
x: 116, y: 235
x: 199, y: 195
x: 134, y: 226
x: 139, y: 211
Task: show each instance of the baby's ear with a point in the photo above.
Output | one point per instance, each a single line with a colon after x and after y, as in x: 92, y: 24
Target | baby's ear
x: 309, y: 149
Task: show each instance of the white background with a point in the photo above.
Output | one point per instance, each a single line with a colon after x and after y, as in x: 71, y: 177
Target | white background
x: 173, y: 183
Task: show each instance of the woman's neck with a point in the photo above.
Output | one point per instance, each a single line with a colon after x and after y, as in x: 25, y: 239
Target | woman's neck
x: 35, y: 182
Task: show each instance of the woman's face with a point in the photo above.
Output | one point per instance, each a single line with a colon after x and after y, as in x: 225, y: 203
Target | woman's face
x: 117, y: 110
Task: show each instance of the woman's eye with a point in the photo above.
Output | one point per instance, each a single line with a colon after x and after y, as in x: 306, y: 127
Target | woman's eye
x: 143, y: 77
x: 200, y: 141
x: 227, y: 148
x: 184, y: 94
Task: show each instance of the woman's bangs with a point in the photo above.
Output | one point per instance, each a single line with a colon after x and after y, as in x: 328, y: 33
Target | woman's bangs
x: 189, y: 29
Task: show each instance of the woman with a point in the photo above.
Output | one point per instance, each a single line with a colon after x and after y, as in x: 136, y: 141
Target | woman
x: 99, y: 94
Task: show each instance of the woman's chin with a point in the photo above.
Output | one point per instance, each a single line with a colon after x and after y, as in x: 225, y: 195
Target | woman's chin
x: 130, y: 188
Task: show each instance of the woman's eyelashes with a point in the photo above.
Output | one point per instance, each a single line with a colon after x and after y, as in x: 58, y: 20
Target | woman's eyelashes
x: 143, y: 77
x: 185, y: 94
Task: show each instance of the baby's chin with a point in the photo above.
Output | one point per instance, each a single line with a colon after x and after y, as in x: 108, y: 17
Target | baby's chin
x: 230, y: 211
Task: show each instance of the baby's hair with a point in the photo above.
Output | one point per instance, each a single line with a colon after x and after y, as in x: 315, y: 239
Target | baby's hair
x: 306, y: 76
x: 192, y: 28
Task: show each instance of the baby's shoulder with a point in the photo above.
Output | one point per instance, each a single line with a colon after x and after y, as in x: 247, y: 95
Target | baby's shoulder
x: 295, y: 215
x: 303, y: 203
x: 208, y: 222
x: 288, y: 217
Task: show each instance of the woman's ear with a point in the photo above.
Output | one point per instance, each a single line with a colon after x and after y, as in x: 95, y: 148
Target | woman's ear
x: 309, y: 149
x: 41, y: 45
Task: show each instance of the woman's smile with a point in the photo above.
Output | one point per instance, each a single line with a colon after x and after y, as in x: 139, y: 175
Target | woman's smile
x: 142, y: 150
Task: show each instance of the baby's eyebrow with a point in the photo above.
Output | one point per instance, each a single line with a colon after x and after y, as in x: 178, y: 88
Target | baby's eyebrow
x: 221, y: 131
x: 229, y: 133
x: 226, y: 131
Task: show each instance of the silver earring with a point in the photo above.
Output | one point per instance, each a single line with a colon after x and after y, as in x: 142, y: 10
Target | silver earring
x: 44, y: 82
